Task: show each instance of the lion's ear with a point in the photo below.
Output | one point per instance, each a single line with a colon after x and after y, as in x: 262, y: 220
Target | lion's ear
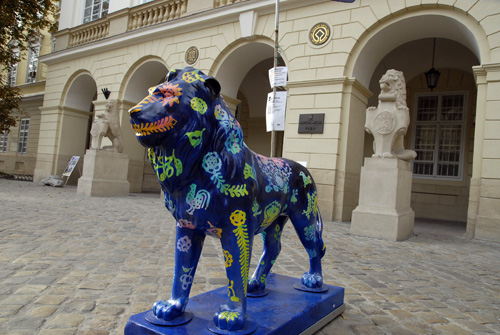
x: 213, y: 85
x: 171, y: 75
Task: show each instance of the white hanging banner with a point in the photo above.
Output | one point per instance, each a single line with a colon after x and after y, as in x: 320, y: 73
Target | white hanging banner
x: 275, y: 111
x: 277, y: 77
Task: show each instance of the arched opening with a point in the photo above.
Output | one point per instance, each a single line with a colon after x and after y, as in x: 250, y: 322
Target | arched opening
x: 444, y: 144
x: 405, y: 44
x: 75, y: 128
x: 243, y: 75
x: 144, y: 74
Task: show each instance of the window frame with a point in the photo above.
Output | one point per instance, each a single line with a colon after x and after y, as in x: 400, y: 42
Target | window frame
x: 33, y: 62
x: 4, y: 141
x: 87, y: 18
x: 438, y: 124
x: 12, y: 73
x: 22, y: 141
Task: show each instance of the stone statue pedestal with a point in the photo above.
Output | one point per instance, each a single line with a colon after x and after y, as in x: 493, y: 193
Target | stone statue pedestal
x: 104, y: 174
x: 384, y: 200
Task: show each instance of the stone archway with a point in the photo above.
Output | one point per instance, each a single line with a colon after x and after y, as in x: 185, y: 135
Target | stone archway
x: 78, y: 111
x: 142, y: 75
x: 243, y: 74
x: 436, y: 197
x: 399, y: 42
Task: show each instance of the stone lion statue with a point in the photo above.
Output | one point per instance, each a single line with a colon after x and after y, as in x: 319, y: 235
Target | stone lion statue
x: 388, y: 123
x: 107, y: 124
x: 215, y: 185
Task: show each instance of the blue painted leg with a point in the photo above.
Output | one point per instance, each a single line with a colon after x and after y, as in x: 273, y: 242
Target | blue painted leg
x: 309, y: 232
x: 272, y: 248
x: 237, y: 251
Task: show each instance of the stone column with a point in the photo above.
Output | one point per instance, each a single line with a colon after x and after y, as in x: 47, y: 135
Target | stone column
x: 485, y: 182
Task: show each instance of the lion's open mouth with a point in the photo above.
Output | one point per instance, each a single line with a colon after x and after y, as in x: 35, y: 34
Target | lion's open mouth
x: 160, y: 126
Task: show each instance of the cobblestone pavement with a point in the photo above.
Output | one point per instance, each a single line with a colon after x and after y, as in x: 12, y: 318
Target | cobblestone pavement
x: 71, y: 264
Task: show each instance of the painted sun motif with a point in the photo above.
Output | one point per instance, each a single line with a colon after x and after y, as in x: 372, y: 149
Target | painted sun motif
x: 171, y: 93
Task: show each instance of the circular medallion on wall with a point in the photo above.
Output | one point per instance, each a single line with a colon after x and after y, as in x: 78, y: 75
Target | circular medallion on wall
x: 320, y: 33
x: 191, y: 55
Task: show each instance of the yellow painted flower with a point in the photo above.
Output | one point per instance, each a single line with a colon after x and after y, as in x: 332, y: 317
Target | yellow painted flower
x: 238, y: 218
x: 229, y: 316
x: 228, y: 258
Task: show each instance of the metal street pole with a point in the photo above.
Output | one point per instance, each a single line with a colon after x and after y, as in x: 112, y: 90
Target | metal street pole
x: 276, y: 53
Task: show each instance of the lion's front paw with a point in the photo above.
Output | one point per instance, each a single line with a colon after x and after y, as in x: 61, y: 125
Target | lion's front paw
x: 312, y: 280
x: 255, y: 285
x: 168, y: 309
x: 230, y: 320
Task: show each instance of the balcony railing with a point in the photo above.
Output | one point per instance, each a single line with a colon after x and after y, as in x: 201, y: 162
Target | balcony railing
x: 220, y: 3
x: 89, y: 33
x: 130, y: 19
x: 156, y: 12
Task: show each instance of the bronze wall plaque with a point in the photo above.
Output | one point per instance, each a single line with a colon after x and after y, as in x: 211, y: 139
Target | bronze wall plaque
x: 192, y: 55
x: 311, y: 123
x: 320, y: 33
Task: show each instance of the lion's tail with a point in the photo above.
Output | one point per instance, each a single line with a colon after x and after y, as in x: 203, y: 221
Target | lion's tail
x: 319, y: 235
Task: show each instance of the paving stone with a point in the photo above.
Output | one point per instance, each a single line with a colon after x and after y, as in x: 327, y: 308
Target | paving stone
x: 366, y: 329
x: 26, y: 322
x: 66, y: 320
x: 474, y: 326
x: 51, y: 299
x: 70, y: 331
x: 18, y: 299
x: 94, y: 332
x: 9, y: 310
x: 43, y: 311
x: 109, y: 309
x: 42, y: 280
x: 452, y: 329
x: 93, y: 285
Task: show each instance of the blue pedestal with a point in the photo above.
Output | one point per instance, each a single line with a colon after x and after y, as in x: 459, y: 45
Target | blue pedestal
x: 285, y: 310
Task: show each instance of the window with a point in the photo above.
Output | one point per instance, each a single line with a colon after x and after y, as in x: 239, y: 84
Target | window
x: 95, y: 9
x: 12, y: 74
x: 34, y: 52
x: 439, y: 135
x: 22, y: 145
x: 3, y: 141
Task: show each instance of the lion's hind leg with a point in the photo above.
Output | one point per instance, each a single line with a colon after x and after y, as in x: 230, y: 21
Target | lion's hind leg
x: 309, y: 231
x: 272, y: 247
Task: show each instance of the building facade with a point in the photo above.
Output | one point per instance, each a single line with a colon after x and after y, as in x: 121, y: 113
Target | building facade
x: 19, y: 146
x: 335, y: 53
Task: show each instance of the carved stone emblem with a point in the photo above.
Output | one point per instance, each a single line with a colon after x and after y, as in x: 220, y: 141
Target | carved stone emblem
x: 384, y: 123
x: 192, y: 55
x: 320, y: 34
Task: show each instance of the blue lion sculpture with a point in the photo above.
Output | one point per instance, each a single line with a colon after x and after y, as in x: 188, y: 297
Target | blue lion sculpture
x: 215, y: 185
